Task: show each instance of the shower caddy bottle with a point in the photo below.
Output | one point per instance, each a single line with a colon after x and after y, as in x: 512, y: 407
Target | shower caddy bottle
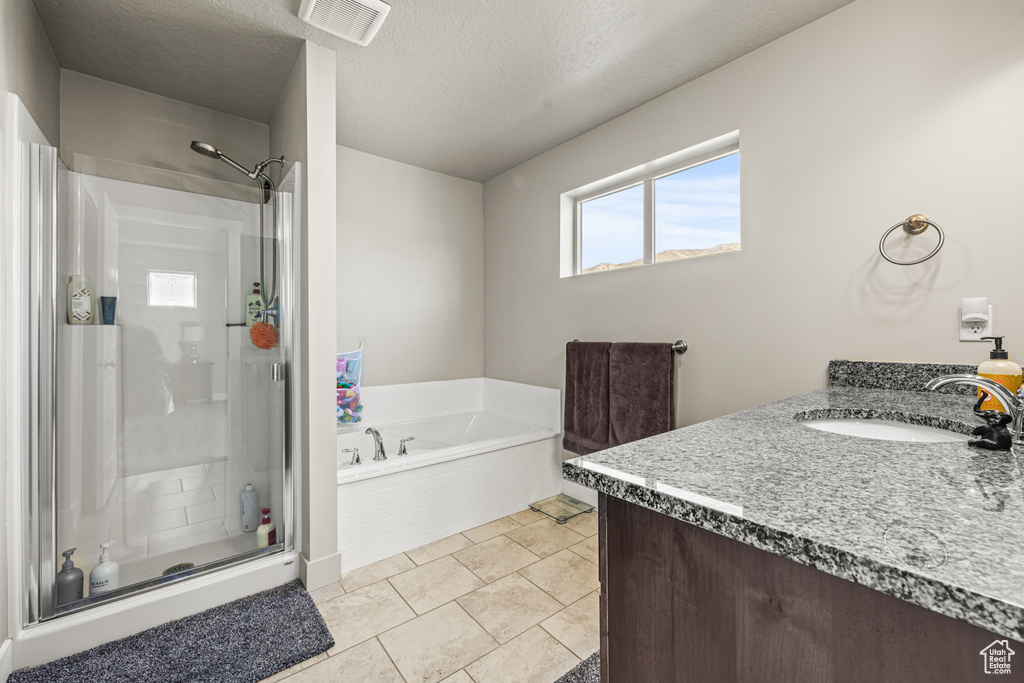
x: 254, y: 306
x: 80, y: 301
x: 266, y: 533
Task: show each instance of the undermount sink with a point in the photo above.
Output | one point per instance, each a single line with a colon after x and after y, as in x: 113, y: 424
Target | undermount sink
x: 886, y: 430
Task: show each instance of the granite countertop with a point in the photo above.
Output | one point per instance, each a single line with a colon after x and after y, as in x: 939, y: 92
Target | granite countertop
x: 940, y: 525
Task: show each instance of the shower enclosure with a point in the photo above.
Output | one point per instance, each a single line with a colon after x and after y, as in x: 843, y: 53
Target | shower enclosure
x: 152, y: 411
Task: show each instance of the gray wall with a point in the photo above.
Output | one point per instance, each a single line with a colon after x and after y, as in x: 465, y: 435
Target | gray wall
x: 410, y: 270
x: 303, y: 129
x: 110, y: 121
x: 29, y: 69
x: 846, y: 127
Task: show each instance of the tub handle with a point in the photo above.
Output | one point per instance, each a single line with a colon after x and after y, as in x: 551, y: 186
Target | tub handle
x: 401, y: 446
x: 355, y: 455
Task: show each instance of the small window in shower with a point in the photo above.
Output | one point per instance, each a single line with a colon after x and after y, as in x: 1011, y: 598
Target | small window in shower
x: 176, y: 290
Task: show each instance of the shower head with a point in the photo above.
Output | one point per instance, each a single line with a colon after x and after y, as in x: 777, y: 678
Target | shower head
x: 208, y: 150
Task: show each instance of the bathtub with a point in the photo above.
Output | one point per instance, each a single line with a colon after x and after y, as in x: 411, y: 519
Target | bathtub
x: 483, y: 450
x: 436, y: 440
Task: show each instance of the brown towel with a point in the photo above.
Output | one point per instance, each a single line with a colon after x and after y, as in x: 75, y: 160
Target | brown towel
x: 641, y: 398
x: 586, y: 397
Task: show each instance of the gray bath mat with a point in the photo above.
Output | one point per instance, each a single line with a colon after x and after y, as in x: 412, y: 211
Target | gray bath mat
x: 241, y: 642
x: 587, y: 671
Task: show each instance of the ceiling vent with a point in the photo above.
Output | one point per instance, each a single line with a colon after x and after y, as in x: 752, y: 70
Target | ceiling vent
x: 354, y: 20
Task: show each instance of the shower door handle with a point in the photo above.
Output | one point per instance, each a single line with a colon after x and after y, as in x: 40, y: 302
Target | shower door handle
x: 277, y: 372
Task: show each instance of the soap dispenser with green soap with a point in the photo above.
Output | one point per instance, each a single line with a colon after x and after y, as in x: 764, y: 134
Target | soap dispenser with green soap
x: 999, y: 368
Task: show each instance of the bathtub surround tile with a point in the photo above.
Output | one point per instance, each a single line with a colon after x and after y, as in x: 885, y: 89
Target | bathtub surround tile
x: 495, y: 558
x: 565, y: 576
x: 432, y: 551
x: 578, y: 626
x: 362, y: 614
x: 363, y: 663
x: 528, y: 516
x: 509, y: 606
x: 436, y: 645
x: 586, y: 549
x: 490, y: 530
x: 545, y: 537
x: 434, y: 584
x: 378, y: 571
x: 535, y: 657
x: 584, y: 524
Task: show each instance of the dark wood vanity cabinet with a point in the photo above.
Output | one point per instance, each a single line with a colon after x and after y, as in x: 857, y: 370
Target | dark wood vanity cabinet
x: 679, y: 603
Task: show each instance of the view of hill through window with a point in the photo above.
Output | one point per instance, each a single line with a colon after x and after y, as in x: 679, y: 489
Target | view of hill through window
x: 696, y: 213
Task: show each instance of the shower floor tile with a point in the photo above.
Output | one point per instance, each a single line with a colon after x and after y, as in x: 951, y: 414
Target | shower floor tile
x: 538, y: 615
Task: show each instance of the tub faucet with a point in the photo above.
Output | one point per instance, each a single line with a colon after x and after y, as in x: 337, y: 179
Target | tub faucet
x: 355, y: 455
x: 378, y: 444
x: 1014, y: 405
x: 402, y: 452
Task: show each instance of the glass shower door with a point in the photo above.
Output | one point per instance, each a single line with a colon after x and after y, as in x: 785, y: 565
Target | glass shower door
x: 165, y: 409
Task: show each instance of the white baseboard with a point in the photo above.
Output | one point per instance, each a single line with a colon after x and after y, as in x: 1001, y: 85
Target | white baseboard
x: 579, y: 492
x: 320, y: 572
x: 6, y: 660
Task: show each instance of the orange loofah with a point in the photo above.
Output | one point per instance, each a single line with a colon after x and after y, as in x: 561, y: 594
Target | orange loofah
x: 263, y: 335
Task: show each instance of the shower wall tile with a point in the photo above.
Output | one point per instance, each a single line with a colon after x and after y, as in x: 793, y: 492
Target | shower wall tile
x: 206, y: 511
x: 161, y: 521
x: 183, y: 537
x: 181, y: 500
x: 204, y: 480
x: 163, y: 488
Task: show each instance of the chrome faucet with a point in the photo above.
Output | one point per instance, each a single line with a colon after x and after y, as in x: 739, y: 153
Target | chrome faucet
x: 402, y: 452
x: 355, y: 455
x: 1014, y: 405
x: 378, y: 444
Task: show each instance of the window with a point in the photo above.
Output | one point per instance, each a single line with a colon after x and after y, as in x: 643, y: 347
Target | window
x: 172, y: 289
x: 683, y: 206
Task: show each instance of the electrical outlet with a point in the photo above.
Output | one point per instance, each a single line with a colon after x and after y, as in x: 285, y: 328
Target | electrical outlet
x: 974, y: 331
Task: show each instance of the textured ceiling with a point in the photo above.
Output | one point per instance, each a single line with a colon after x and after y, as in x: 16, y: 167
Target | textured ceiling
x: 465, y: 87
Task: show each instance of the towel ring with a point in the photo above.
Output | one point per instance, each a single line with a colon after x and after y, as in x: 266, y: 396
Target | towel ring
x: 914, y: 225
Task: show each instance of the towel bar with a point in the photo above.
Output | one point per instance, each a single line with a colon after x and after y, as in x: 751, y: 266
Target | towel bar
x: 679, y: 346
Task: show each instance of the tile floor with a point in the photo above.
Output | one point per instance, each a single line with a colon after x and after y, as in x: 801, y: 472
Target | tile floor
x: 515, y: 600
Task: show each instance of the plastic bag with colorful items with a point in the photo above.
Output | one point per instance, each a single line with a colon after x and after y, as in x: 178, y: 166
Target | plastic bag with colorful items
x: 349, y: 373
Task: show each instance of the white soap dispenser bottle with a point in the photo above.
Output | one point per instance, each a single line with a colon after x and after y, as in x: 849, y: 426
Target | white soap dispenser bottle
x: 104, y: 576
